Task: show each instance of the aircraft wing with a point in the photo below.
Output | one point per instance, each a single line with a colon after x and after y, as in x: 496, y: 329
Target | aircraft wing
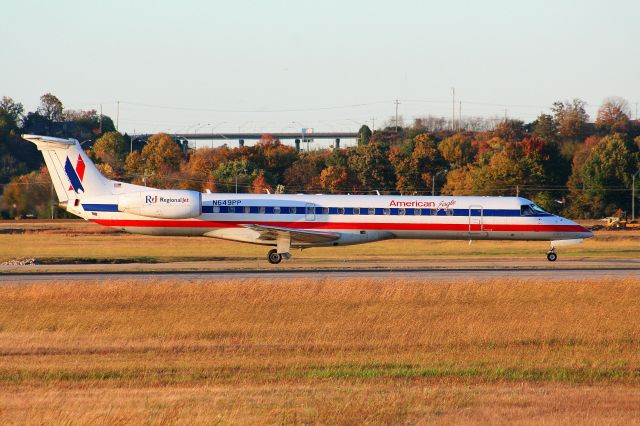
x: 295, y: 235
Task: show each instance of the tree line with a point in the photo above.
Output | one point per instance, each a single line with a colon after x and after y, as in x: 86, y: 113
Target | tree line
x: 563, y: 161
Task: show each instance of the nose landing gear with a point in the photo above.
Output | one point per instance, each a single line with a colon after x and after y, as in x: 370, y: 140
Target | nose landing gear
x: 551, y: 255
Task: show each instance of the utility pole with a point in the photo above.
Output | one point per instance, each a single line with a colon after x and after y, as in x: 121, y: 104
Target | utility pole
x: 460, y: 116
x: 453, y: 109
x: 397, y: 103
x: 52, y: 201
x: 118, y: 116
x: 373, y: 124
x: 517, y: 190
x: 633, y: 196
x: 100, y: 118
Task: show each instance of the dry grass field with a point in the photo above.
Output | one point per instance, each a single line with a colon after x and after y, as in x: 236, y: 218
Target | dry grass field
x: 320, y: 351
x: 71, y: 241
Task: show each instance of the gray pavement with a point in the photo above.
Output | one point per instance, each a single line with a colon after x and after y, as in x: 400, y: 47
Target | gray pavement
x: 583, y: 270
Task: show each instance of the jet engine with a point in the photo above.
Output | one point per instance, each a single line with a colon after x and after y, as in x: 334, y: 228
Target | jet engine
x: 162, y: 204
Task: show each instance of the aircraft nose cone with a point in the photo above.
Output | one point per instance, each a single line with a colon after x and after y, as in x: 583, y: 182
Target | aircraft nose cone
x: 585, y: 231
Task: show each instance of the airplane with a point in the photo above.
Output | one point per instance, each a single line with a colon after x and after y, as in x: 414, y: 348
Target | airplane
x: 285, y: 221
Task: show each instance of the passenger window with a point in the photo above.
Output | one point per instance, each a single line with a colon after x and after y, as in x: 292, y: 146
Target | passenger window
x: 325, y: 210
x: 372, y: 211
x: 340, y: 210
x: 310, y: 210
x: 449, y: 212
x: 247, y: 209
x: 276, y: 210
x: 386, y: 212
x: 401, y: 212
x: 232, y: 209
x: 417, y: 212
x: 356, y: 210
x: 216, y: 209
x: 434, y: 212
x: 262, y: 210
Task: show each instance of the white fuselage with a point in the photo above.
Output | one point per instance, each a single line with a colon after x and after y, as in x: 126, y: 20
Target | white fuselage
x: 287, y: 221
x: 357, y: 218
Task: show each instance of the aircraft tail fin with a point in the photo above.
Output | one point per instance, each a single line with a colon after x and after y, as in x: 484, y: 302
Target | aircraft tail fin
x: 73, y: 174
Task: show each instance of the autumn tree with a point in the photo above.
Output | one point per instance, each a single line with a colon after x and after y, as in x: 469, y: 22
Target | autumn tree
x: 510, y: 130
x: 364, y: 135
x: 458, y: 150
x: 613, y: 116
x: 202, y: 163
x: 334, y: 179
x: 486, y: 149
x: 271, y: 155
x: 162, y: 154
x: 417, y: 163
x: 607, y: 169
x: 260, y: 185
x: 30, y: 194
x: 16, y: 155
x: 50, y: 107
x: 545, y: 127
x: 134, y: 166
x: 304, y: 174
x: 507, y: 171
x: 556, y: 167
x: 372, y: 167
x: 10, y: 111
x: 228, y: 173
x: 460, y: 181
x: 571, y: 118
x: 110, y: 149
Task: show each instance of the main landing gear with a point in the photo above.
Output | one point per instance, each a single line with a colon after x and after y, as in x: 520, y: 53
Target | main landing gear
x: 274, y: 257
x: 551, y: 255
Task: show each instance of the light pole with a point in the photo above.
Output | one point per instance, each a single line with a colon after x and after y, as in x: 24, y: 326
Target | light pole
x: 302, y: 129
x: 633, y: 196
x: 198, y: 128
x: 237, y: 174
x: 433, y: 182
x: 215, y: 127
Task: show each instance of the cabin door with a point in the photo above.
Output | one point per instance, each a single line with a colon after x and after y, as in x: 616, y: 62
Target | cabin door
x: 310, y: 213
x: 476, y: 225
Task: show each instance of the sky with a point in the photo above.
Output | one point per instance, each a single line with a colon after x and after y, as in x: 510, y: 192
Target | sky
x: 260, y: 66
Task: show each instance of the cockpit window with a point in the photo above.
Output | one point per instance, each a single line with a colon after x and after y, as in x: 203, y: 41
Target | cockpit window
x: 526, y: 211
x: 531, y: 210
x: 537, y: 209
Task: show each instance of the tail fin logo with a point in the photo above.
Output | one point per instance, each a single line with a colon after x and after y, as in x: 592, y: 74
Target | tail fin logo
x: 75, y: 175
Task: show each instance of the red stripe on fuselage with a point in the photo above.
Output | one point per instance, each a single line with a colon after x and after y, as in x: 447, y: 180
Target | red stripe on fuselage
x: 488, y: 227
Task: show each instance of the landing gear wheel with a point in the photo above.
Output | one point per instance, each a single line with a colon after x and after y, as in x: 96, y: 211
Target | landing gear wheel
x: 552, y: 256
x: 274, y: 257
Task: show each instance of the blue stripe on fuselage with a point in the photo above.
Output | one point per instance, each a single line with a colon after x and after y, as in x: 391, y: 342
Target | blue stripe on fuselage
x: 100, y: 207
x: 348, y: 211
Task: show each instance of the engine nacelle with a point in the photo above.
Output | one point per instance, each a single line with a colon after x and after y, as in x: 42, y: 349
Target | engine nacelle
x: 162, y: 204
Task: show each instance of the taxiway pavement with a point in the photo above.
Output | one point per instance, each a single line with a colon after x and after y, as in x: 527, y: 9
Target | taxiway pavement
x: 432, y: 271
